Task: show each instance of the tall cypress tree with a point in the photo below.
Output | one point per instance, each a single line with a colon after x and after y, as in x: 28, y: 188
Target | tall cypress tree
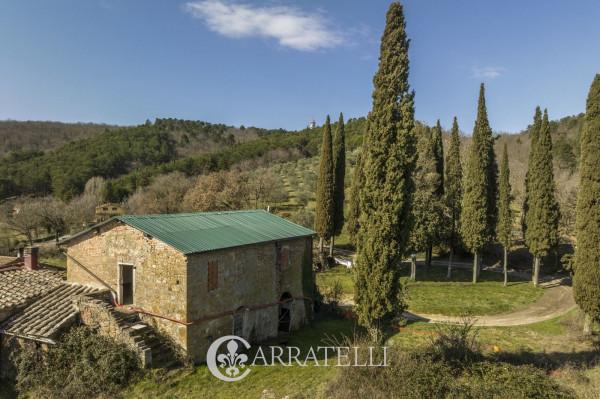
x: 353, y: 222
x: 534, y: 132
x: 586, y: 282
x: 476, y: 205
x: 427, y: 210
x: 504, y: 226
x: 438, y: 152
x: 543, y: 213
x: 385, y: 197
x: 339, y: 171
x: 324, y: 218
x: 453, y: 192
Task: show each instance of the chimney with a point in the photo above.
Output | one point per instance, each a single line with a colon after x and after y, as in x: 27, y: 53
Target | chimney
x: 30, y: 258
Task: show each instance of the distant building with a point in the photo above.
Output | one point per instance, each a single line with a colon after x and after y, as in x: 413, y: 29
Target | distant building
x: 107, y: 211
x: 312, y: 124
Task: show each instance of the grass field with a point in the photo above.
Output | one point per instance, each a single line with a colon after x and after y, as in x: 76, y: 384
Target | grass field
x: 554, y: 337
x: 197, y: 382
x: 432, y: 293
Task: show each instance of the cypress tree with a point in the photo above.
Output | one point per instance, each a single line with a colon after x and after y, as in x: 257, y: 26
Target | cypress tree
x: 534, y: 132
x: 385, y: 197
x: 504, y: 226
x: 453, y: 191
x: 428, y: 211
x: 438, y: 152
x: 324, y: 218
x: 339, y: 171
x: 438, y: 157
x: 586, y: 282
x: 353, y: 223
x: 476, y: 207
x: 543, y: 212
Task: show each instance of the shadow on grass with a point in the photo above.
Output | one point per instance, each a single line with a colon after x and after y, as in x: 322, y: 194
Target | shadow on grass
x: 325, y: 330
x: 553, y: 360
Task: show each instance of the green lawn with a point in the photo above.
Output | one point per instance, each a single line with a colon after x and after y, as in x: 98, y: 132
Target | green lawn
x: 432, y: 293
x: 556, y: 335
x: 282, y: 380
x: 561, y: 334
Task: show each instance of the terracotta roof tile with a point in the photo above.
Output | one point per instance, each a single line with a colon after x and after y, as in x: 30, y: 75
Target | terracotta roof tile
x: 19, y: 286
x: 44, y: 319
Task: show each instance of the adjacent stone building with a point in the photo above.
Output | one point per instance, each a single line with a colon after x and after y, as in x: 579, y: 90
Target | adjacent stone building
x: 199, y: 276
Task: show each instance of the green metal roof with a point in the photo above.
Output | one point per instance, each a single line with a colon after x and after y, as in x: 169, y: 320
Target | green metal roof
x: 207, y: 231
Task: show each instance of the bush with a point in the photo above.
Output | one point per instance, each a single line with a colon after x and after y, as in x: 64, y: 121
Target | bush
x: 82, y: 365
x: 449, y: 367
x: 455, y: 343
x: 503, y: 380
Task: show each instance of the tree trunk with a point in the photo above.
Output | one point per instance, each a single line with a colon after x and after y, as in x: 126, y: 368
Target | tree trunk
x: 331, y: 246
x: 322, y: 254
x: 449, y: 275
x: 587, y: 325
x: 475, y: 263
x: 428, y: 256
x: 413, y: 267
x: 505, y: 266
x: 536, y: 271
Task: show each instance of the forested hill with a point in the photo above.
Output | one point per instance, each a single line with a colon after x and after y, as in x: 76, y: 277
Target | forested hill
x: 131, y: 156
x: 43, y: 136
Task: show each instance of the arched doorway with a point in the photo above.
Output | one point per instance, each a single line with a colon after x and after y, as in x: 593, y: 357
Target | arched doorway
x: 285, y: 312
x: 238, y: 321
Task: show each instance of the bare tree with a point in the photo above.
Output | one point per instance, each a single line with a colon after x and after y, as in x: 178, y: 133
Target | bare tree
x: 53, y: 216
x: 225, y: 190
x: 164, y: 195
x: 22, y: 216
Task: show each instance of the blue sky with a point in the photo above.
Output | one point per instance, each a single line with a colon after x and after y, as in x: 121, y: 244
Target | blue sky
x: 281, y: 63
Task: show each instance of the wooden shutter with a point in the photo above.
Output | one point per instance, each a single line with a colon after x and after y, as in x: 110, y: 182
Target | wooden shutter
x: 285, y: 256
x: 213, y: 275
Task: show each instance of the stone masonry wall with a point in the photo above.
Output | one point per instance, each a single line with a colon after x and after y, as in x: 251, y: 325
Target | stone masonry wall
x: 248, y: 281
x: 95, y: 312
x: 160, y: 272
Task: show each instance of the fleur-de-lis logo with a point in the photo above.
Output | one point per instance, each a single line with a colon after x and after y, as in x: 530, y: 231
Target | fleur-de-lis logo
x: 231, y: 360
x: 231, y: 365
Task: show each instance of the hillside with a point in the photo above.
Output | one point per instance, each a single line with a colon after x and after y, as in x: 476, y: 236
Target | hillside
x: 132, y: 156
x: 44, y: 136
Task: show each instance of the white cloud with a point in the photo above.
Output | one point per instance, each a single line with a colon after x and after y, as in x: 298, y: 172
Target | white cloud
x: 290, y: 26
x: 487, y: 72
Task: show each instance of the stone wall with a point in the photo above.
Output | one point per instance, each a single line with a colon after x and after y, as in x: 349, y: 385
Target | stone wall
x: 160, y: 272
x: 248, y: 282
x: 98, y: 314
x: 173, y: 285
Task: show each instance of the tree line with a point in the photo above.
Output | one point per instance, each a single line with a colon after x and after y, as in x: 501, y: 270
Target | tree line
x: 406, y: 198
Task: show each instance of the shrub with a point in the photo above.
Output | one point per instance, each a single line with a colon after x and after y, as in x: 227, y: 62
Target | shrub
x: 449, y: 367
x: 82, y: 365
x: 407, y: 376
x: 503, y: 380
x: 455, y: 343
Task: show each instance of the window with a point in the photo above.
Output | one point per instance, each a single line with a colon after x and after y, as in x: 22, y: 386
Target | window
x: 283, y: 256
x: 213, y: 275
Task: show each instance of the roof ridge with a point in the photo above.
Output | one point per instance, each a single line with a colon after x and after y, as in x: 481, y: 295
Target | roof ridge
x: 197, y: 232
x: 189, y: 214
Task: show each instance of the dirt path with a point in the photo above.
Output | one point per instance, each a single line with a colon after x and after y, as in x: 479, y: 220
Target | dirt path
x: 556, y: 301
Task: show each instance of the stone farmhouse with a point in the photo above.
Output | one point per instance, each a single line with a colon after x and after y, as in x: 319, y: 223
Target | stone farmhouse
x: 196, y: 276
x: 188, y: 277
